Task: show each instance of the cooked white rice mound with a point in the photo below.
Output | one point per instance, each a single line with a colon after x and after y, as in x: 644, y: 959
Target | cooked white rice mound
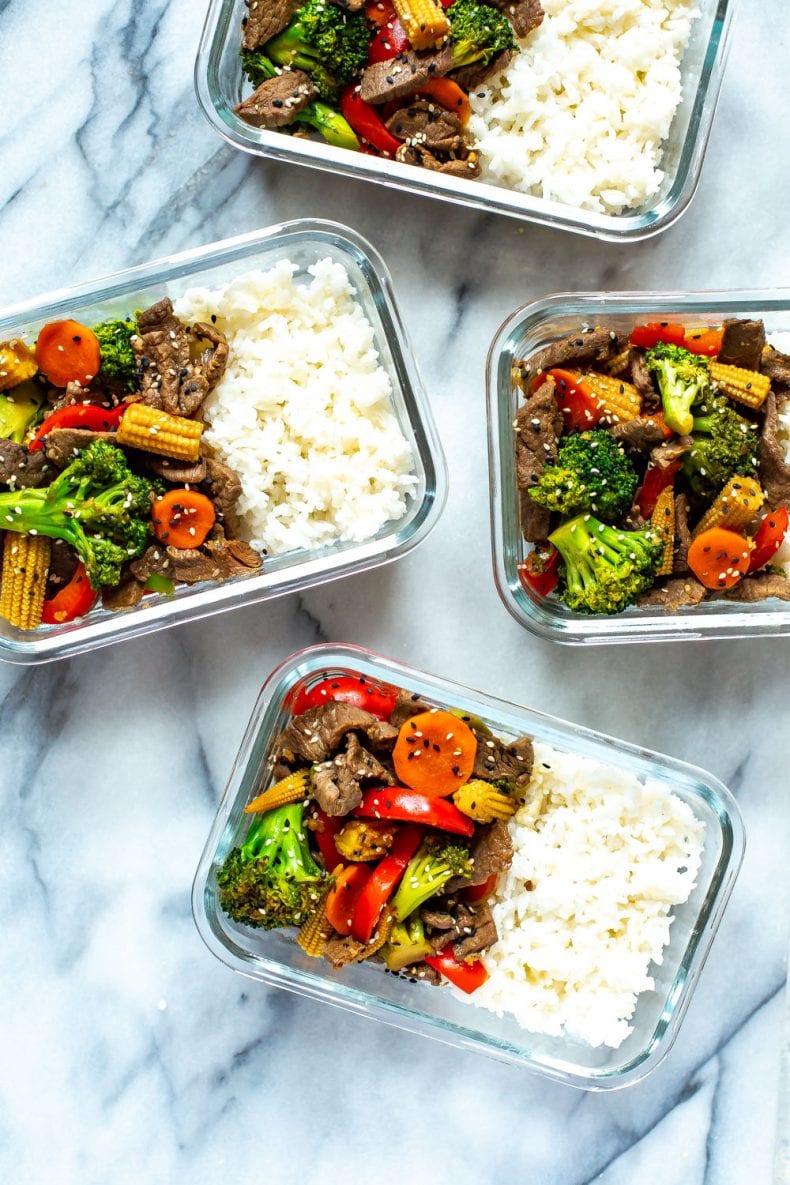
x: 303, y: 412
x: 580, y: 113
x: 605, y: 863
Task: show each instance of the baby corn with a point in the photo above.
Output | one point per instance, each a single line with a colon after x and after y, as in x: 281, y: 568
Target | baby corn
x: 735, y: 507
x: 620, y: 364
x: 621, y: 400
x: 663, y: 523
x: 483, y: 802
x: 294, y: 788
x: 424, y: 22
x: 313, y: 933
x: 17, y: 364
x: 24, y: 579
x: 744, y: 386
x: 156, y: 431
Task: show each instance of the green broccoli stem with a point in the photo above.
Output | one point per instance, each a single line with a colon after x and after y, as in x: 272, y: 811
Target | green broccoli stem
x: 427, y: 873
x: 331, y: 124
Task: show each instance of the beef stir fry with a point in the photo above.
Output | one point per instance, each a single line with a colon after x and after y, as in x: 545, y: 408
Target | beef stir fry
x: 387, y: 77
x: 649, y: 469
x: 108, y: 489
x: 384, y: 834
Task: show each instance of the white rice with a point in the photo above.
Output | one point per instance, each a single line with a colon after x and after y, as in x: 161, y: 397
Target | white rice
x: 580, y: 113
x: 605, y: 863
x: 304, y: 410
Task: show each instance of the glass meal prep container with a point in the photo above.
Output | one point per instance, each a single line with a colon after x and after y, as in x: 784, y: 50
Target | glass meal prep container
x: 304, y: 243
x: 275, y: 958
x: 529, y: 329
x: 218, y: 81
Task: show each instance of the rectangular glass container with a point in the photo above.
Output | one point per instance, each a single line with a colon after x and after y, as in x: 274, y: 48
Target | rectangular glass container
x: 303, y: 242
x: 529, y: 329
x: 218, y: 81
x: 274, y: 957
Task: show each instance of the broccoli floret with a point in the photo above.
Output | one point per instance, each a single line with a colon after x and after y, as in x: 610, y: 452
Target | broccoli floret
x: 320, y: 116
x: 592, y: 473
x: 118, y: 364
x: 683, y: 379
x: 725, y: 443
x: 432, y: 866
x: 96, y: 504
x: 327, y: 43
x: 479, y: 33
x: 406, y: 944
x: 605, y: 569
x: 257, y: 66
x: 272, y: 880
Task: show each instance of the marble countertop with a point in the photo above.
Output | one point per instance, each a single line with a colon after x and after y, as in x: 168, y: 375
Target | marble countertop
x: 128, y: 1053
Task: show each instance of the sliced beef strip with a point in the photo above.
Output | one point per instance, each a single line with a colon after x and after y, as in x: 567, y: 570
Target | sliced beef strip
x: 773, y: 470
x: 155, y: 559
x: 483, y: 935
x: 342, y: 951
x: 524, y: 16
x: 597, y: 345
x: 382, y: 735
x: 169, y: 380
x: 61, y: 445
x: 776, y: 365
x: 535, y: 520
x: 233, y: 557
x: 337, y: 783
x: 21, y: 470
x: 643, y: 380
x: 181, y: 473
x: 190, y: 565
x: 437, y: 919
x: 742, y: 343
x: 760, y: 587
x: 407, y: 704
x: 673, y: 450
x: 675, y: 594
x: 469, y: 78
x: 639, y: 434
x: 422, y: 972
x: 497, y: 761
x: 538, y: 427
x: 316, y: 734
x: 223, y: 486
x: 214, y: 357
x: 277, y: 101
x: 125, y: 595
x: 460, y: 164
x: 63, y: 561
x: 400, y: 76
x: 682, y: 535
x: 428, y: 125
x: 267, y: 18
x: 349, y: 5
x: 492, y: 852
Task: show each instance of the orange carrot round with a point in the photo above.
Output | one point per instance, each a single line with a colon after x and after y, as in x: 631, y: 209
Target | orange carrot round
x: 67, y: 352
x: 719, y: 558
x: 434, y: 753
x: 183, y: 518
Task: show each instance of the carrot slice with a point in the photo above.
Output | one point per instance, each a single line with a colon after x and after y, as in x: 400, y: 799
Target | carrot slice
x: 719, y: 558
x: 434, y: 753
x: 67, y: 352
x: 448, y: 94
x: 183, y: 518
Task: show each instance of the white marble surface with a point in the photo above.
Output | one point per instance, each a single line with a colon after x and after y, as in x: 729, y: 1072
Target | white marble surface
x: 128, y: 1053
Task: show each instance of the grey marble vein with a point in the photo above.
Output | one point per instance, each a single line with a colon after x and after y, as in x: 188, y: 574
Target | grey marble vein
x: 128, y: 1053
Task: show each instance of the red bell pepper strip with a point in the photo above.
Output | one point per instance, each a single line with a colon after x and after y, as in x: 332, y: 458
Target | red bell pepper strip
x: 329, y: 826
x: 447, y: 94
x: 378, y: 12
x: 540, y: 572
x: 466, y: 976
x: 74, y: 600
x: 348, y: 689
x: 656, y: 480
x: 383, y: 882
x: 396, y: 802
x: 704, y: 341
x: 478, y: 892
x: 646, y: 336
x: 78, y: 415
x: 769, y: 537
x: 342, y: 898
x: 390, y: 37
x: 366, y: 122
